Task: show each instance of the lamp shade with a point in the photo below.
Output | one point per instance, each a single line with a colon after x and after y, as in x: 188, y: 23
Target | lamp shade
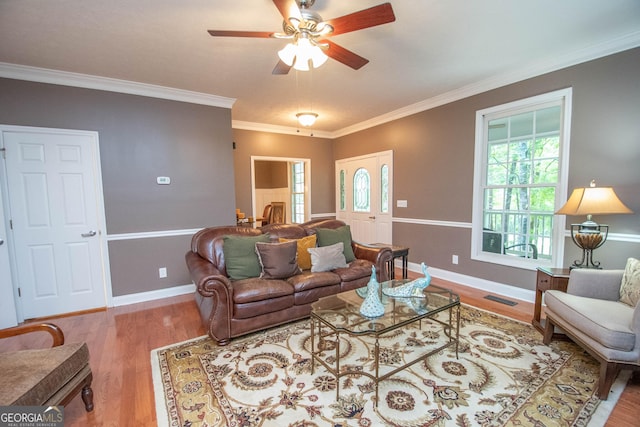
x: 593, y: 201
x: 299, y: 53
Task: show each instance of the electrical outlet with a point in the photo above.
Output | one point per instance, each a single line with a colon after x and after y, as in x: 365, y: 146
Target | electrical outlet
x: 401, y: 203
x: 162, y: 272
x: 454, y: 259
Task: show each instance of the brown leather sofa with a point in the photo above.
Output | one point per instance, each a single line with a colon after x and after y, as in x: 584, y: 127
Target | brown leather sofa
x: 233, y: 308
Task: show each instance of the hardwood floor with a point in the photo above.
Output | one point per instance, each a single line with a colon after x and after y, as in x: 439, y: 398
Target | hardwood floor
x: 120, y: 340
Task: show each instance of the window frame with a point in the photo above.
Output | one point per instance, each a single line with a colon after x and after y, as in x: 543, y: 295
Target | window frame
x: 296, y: 216
x: 483, y: 117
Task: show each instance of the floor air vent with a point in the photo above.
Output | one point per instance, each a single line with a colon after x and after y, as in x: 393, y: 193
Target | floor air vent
x: 500, y: 300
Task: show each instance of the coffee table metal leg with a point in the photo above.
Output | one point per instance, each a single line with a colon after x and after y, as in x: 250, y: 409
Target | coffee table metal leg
x: 457, y: 328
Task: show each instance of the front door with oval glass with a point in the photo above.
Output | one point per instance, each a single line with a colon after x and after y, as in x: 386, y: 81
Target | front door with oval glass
x: 363, y: 190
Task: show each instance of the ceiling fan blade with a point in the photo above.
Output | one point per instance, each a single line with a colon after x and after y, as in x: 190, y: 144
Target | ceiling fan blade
x: 377, y: 15
x: 345, y: 56
x: 288, y: 9
x: 281, y: 68
x: 223, y: 33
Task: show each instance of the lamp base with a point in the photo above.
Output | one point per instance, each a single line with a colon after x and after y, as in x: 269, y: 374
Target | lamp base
x: 588, y: 239
x: 586, y: 261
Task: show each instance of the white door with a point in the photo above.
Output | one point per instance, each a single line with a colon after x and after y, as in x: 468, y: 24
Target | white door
x: 55, y: 205
x: 8, y: 315
x: 364, y: 196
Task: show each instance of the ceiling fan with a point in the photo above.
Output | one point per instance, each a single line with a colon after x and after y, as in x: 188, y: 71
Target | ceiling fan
x: 302, y: 24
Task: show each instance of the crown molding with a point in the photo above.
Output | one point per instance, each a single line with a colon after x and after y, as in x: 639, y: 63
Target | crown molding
x: 66, y: 78
x: 286, y: 130
x: 41, y: 75
x: 528, y: 71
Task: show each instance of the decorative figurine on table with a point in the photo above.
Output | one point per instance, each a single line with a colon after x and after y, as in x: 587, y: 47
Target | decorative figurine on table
x: 372, y: 306
x: 420, y: 305
x: 413, y: 288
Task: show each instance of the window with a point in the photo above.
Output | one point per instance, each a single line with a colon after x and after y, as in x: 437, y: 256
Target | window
x: 343, y: 196
x: 361, y: 191
x: 384, y: 189
x: 520, y: 180
x: 297, y: 192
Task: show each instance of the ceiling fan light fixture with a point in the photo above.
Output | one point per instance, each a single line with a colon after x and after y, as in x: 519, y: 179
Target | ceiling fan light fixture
x: 288, y: 54
x: 299, y: 53
x: 307, y: 119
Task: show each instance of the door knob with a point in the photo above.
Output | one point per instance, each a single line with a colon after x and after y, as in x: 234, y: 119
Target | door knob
x: 89, y: 234
x: 372, y: 217
x: 1, y: 242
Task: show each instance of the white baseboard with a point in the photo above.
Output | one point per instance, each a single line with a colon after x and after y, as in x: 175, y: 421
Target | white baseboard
x: 153, y: 295
x: 473, y: 282
x: 477, y: 283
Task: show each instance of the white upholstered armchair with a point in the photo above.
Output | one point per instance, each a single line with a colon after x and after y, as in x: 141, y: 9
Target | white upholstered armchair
x: 592, y: 315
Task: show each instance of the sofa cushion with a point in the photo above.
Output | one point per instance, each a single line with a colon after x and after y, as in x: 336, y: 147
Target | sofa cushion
x: 288, y: 231
x: 251, y: 310
x: 32, y: 377
x: 277, y: 260
x: 356, y: 270
x: 256, y: 289
x: 327, y: 258
x: 328, y: 237
x: 630, y: 286
x: 240, y: 256
x: 304, y: 257
x: 607, y: 322
x: 307, y: 280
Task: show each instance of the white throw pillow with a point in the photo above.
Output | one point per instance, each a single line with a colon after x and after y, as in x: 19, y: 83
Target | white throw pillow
x: 327, y: 258
x: 630, y: 286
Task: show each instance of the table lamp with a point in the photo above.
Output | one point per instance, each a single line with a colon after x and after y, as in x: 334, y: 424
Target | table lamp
x: 590, y: 235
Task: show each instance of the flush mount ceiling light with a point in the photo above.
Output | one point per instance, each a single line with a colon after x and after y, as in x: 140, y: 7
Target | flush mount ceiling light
x: 307, y: 119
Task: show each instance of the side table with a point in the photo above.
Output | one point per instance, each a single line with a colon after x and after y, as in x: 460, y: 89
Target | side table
x: 396, y: 252
x: 548, y: 279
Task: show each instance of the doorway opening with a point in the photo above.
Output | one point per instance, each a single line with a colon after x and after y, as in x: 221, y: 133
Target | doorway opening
x: 282, y: 179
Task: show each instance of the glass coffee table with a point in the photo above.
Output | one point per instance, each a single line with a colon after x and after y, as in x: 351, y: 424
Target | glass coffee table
x: 340, y: 314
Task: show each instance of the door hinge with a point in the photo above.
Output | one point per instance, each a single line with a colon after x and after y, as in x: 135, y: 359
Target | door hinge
x: 11, y: 224
x: 19, y: 293
x: 4, y: 152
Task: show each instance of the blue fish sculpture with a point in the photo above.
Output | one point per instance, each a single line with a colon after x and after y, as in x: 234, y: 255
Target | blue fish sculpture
x: 411, y: 289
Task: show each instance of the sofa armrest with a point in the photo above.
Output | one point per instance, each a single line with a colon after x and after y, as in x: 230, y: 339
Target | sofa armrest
x: 599, y: 284
x: 635, y: 324
x: 204, y: 274
x: 216, y: 296
x: 380, y: 257
x: 53, y: 330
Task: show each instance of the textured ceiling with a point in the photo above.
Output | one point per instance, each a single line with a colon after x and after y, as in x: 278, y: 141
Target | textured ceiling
x: 434, y: 49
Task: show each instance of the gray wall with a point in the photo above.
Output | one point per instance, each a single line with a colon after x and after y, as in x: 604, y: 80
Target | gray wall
x: 142, y: 138
x: 433, y: 158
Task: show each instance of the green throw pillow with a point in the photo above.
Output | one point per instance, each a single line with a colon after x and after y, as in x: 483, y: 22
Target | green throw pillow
x: 329, y: 236
x: 240, y: 256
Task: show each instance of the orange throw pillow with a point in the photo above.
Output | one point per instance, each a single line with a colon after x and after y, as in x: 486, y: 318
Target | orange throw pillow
x: 304, y: 257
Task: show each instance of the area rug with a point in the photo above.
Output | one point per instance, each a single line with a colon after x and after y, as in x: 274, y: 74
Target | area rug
x: 503, y: 376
